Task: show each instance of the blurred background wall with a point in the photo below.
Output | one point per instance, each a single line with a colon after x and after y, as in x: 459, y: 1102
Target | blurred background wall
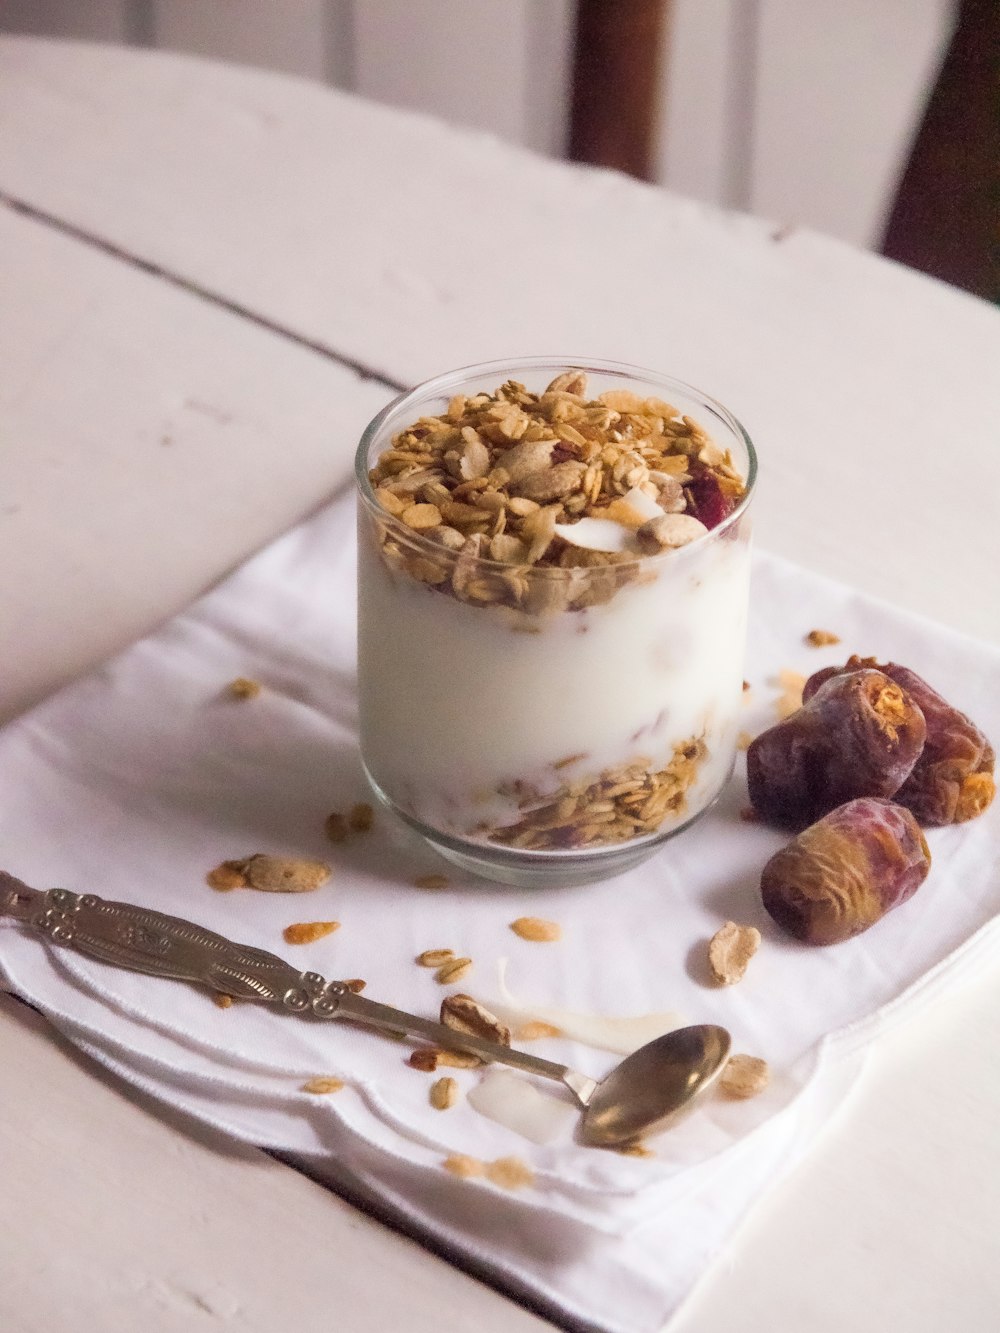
x: 802, y: 111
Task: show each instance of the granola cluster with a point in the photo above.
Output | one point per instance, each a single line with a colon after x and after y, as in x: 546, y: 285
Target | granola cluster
x: 629, y: 801
x: 547, y: 502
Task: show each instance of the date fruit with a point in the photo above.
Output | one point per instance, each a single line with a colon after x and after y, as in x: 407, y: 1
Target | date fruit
x: 843, y: 873
x: 859, y: 734
x: 952, y: 780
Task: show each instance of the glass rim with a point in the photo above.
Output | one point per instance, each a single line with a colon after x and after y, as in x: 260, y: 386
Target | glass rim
x: 438, y: 385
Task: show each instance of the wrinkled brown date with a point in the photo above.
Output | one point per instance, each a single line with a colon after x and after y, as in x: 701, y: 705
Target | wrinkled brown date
x: 858, y: 735
x: 843, y: 873
x: 952, y: 781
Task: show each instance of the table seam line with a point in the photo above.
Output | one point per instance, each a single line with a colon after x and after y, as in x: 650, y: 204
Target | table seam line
x: 196, y: 289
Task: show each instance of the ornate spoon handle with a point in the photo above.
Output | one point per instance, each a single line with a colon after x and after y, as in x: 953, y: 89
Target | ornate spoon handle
x: 143, y: 940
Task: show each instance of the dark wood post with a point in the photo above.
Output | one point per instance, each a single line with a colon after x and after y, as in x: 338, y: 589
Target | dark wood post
x: 946, y: 218
x: 616, y: 72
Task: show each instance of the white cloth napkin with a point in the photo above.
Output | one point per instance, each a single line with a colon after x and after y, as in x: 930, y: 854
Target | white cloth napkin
x: 136, y: 781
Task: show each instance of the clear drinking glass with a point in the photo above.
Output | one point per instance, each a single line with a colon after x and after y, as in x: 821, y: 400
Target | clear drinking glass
x: 544, y: 725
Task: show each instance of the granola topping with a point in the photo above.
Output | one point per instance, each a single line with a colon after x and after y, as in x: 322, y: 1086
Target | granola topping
x: 510, y: 483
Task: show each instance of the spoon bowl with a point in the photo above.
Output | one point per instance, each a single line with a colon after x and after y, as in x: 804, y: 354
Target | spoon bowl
x: 655, y: 1085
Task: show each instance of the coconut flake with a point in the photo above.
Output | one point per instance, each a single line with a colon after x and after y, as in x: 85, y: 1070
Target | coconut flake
x: 597, y: 534
x: 621, y: 1035
x: 607, y: 534
x: 643, y: 504
x: 513, y: 1102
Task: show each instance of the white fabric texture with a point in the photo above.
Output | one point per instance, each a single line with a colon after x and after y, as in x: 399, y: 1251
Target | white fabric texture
x: 135, y: 781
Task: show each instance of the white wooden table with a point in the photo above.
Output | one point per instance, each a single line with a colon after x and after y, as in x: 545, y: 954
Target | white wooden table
x: 210, y: 280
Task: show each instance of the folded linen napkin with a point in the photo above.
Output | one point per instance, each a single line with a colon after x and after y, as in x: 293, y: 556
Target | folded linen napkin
x: 137, y: 780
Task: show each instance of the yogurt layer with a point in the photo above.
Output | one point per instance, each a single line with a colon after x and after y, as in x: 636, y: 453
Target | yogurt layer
x: 473, y: 716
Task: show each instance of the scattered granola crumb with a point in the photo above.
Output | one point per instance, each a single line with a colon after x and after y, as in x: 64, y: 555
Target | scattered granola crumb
x: 536, y: 928
x: 431, y: 882
x: 458, y: 1059
x: 226, y: 877
x: 820, y: 638
x: 510, y: 1173
x: 744, y: 1076
x: 453, y: 970
x: 424, y: 1058
x: 746, y: 686
x: 462, y: 1013
x: 323, y: 1085
x: 222, y: 1000
x: 744, y: 740
x: 790, y: 680
x: 789, y: 701
x: 435, y: 957
x: 730, y: 950
x: 637, y: 1149
x: 361, y: 817
x: 428, y: 1058
x: 305, y: 932
x: 535, y: 1029
x: 244, y: 688
x: 444, y: 1094
x: 336, y: 827
x: 269, y: 874
x: 356, y: 985
x: 465, y: 1167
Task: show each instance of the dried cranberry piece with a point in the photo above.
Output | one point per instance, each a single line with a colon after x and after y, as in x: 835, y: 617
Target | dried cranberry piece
x: 707, y: 501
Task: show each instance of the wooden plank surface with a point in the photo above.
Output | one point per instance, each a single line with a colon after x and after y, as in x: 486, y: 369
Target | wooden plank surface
x: 159, y: 390
x: 289, y: 35
x: 170, y: 1227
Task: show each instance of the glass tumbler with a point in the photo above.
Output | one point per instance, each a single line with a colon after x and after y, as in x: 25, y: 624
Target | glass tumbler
x: 543, y: 711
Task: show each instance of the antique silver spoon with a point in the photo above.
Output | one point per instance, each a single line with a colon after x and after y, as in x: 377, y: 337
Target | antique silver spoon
x: 644, y: 1094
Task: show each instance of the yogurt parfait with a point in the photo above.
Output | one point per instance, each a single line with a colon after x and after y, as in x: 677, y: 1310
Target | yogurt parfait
x: 552, y: 598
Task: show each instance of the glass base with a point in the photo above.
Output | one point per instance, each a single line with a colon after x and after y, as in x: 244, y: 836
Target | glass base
x: 540, y: 870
